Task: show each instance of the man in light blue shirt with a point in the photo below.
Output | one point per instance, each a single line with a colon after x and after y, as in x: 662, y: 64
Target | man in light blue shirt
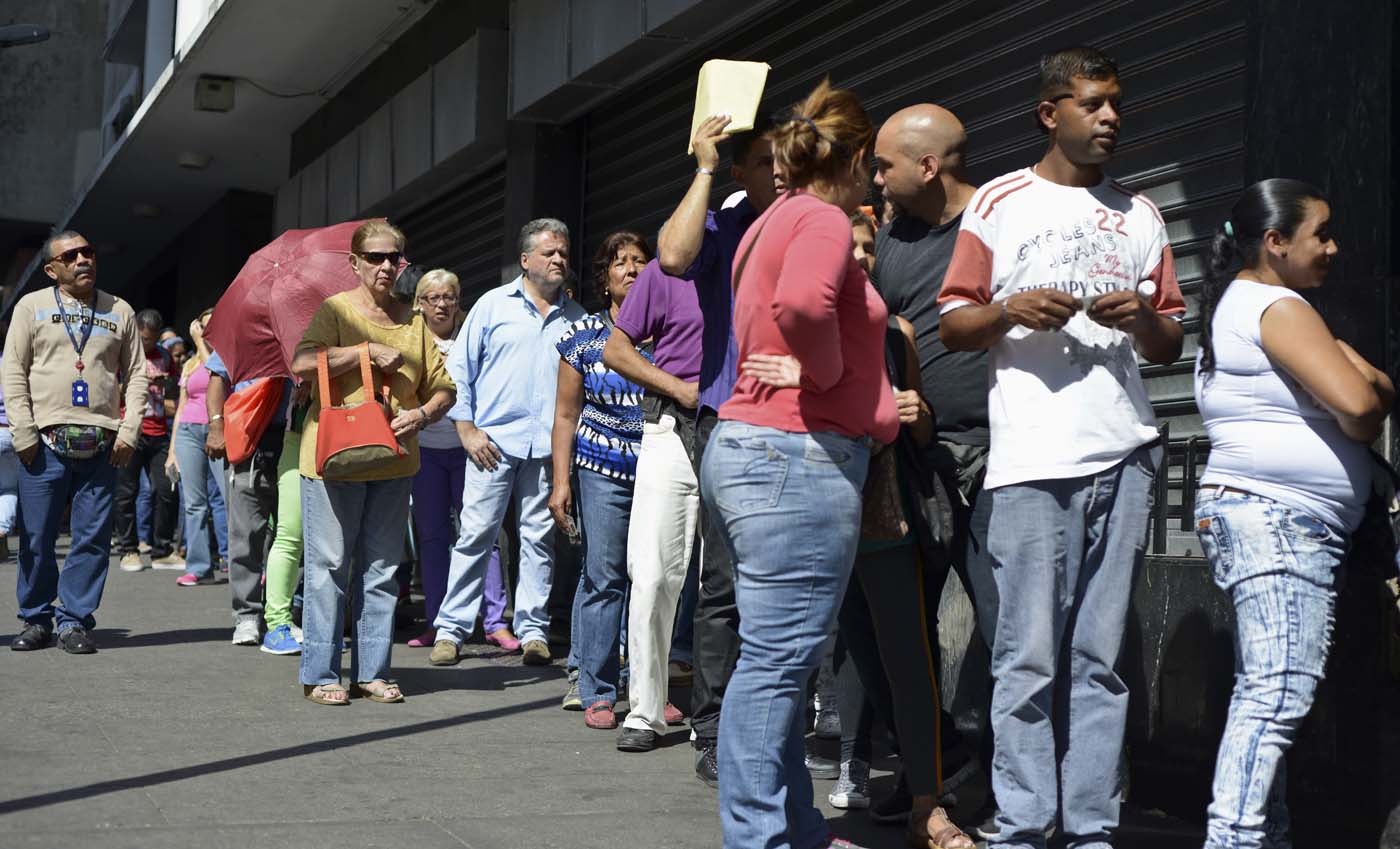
x: 506, y: 367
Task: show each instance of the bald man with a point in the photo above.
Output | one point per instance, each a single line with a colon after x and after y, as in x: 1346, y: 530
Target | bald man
x: 919, y: 165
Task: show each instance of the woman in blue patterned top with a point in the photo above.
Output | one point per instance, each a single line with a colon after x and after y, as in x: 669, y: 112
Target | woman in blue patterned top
x: 598, y: 428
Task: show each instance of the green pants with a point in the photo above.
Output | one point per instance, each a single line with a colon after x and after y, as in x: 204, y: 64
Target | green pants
x: 284, y: 560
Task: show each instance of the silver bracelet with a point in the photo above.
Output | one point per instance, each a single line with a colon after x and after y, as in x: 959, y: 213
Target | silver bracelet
x: 703, y: 170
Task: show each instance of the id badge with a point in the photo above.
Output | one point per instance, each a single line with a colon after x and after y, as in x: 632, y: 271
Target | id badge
x: 80, y: 393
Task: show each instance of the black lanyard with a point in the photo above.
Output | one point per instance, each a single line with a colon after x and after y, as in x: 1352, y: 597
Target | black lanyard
x: 78, y: 345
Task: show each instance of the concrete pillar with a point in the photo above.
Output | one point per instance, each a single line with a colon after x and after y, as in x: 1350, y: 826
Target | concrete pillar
x: 160, y: 41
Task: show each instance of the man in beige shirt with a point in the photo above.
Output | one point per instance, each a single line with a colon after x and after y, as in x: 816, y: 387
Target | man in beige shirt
x: 74, y: 423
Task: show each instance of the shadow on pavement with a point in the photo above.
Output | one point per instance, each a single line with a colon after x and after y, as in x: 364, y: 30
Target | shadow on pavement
x: 419, y: 680
x: 167, y: 776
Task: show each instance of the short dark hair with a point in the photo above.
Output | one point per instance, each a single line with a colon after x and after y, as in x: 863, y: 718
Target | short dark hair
x: 59, y: 237
x: 149, y: 319
x: 1058, y: 69
x: 742, y: 143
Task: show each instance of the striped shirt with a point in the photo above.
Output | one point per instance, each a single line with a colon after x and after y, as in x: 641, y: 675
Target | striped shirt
x: 610, y: 428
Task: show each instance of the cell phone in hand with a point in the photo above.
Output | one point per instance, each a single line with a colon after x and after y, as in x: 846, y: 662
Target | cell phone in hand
x: 570, y: 528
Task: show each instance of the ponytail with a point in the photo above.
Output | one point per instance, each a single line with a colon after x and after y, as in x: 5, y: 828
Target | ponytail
x: 1277, y: 204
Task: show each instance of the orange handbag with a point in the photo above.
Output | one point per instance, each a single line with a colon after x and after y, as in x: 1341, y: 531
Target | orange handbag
x: 247, y: 413
x: 355, y: 439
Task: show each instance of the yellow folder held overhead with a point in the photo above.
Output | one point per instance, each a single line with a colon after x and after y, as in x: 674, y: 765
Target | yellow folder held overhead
x: 728, y: 88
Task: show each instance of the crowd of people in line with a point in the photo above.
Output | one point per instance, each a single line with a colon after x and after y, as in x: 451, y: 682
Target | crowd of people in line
x: 817, y: 414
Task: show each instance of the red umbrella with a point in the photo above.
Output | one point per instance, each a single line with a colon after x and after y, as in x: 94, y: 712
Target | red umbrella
x: 263, y: 314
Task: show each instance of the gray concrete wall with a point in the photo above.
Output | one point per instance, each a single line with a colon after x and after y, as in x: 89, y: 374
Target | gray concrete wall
x: 50, y: 93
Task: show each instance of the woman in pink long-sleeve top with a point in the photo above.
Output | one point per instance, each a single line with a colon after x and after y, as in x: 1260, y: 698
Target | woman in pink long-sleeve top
x: 785, y: 466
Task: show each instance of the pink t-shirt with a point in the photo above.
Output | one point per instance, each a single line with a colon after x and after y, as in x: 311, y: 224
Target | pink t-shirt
x: 196, y: 384
x: 802, y: 293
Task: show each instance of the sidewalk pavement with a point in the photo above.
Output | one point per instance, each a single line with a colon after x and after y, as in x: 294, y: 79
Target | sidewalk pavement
x: 170, y: 736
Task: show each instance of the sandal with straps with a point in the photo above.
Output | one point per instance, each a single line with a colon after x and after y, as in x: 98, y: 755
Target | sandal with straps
x: 318, y: 693
x: 933, y: 830
x: 363, y: 690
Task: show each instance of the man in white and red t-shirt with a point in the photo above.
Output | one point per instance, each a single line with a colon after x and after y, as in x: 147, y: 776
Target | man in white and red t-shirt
x: 1065, y: 277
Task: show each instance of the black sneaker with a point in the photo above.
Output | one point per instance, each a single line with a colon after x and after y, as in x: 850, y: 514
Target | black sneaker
x: 77, y: 641
x: 707, y: 765
x: 821, y: 767
x: 986, y: 827
x: 895, y: 808
x: 636, y: 740
x: 34, y: 636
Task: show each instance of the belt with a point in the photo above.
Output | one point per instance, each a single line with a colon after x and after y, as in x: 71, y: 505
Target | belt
x: 1221, y: 490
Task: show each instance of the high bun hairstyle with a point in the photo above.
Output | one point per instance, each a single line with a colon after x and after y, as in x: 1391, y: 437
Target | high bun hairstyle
x: 1276, y: 204
x: 822, y: 137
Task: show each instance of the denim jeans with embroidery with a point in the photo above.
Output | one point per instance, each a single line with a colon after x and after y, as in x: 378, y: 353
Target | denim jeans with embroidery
x: 1279, y: 566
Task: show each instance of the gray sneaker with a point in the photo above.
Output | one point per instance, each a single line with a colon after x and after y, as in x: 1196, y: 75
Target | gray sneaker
x: 852, y: 789
x: 246, y: 633
x: 572, y: 701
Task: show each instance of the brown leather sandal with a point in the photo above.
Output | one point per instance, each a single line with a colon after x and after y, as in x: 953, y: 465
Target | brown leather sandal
x: 381, y: 694
x: 933, y: 830
x: 319, y: 693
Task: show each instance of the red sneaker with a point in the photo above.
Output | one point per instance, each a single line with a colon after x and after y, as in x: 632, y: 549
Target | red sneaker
x: 673, y: 715
x: 600, y: 716
x: 503, y: 638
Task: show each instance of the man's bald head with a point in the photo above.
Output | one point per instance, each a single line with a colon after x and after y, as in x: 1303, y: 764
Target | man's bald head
x: 924, y: 129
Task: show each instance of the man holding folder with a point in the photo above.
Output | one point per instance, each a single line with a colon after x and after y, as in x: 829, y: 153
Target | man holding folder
x: 698, y: 246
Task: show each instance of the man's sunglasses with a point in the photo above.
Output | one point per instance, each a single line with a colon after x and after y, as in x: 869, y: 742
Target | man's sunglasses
x: 68, y: 256
x: 376, y: 258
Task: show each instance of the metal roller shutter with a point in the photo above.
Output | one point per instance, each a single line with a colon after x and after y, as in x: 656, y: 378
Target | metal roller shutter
x: 460, y: 230
x: 1183, y: 72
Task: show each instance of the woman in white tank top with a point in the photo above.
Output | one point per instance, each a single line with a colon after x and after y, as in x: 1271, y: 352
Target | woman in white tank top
x: 1289, y: 410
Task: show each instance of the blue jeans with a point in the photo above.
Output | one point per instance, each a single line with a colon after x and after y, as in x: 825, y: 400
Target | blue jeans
x: 1279, y: 566
x: 195, y: 471
x: 789, y: 506
x: 345, y: 524
x: 45, y: 486
x: 9, y: 482
x: 604, y: 504
x: 485, y: 498
x: 1064, y: 553
x: 217, y: 506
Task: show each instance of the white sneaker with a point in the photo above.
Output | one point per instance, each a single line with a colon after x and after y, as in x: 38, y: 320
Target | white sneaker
x: 132, y: 562
x: 296, y: 633
x: 245, y: 633
x: 852, y: 788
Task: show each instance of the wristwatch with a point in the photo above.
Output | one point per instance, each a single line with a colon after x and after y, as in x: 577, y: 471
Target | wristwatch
x: 703, y: 170
x: 216, y: 417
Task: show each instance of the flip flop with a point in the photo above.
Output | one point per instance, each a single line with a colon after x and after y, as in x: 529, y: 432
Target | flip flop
x: 317, y: 693
x: 360, y: 691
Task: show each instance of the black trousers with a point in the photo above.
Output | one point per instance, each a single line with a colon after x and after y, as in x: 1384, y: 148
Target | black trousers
x: 952, y: 536
x: 149, y: 455
x: 716, y: 639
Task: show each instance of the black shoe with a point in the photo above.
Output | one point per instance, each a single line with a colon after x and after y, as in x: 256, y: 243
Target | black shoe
x: 34, y: 636
x: 895, y: 808
x: 986, y: 827
x: 707, y: 765
x: 636, y: 740
x: 77, y: 641
x: 821, y: 767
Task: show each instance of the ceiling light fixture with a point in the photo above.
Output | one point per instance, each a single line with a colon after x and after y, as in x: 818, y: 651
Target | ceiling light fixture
x: 192, y: 160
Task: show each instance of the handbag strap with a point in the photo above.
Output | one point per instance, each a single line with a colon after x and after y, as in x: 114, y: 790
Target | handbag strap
x: 323, y: 376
